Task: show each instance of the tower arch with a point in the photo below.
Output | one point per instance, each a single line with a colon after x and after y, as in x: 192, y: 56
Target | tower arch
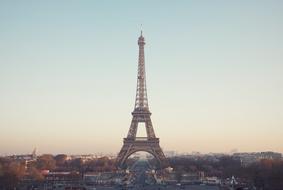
x: 139, y: 149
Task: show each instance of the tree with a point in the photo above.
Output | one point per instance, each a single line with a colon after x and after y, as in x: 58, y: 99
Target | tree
x: 1, y: 170
x: 179, y: 171
x: 76, y: 164
x: 35, y: 174
x: 60, y: 159
x: 11, y: 172
x: 46, y: 162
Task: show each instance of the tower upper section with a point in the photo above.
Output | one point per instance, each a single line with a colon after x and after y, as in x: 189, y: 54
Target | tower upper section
x: 141, y: 103
x: 141, y: 40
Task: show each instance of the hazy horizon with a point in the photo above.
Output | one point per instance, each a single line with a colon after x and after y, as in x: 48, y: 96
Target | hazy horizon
x: 68, y: 74
x: 176, y: 153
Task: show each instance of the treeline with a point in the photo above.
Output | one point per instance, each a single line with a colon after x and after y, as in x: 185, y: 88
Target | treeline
x: 265, y: 174
x: 103, y: 164
x: 10, y: 173
x: 13, y: 171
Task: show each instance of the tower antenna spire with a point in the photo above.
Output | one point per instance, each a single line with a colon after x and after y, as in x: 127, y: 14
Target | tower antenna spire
x: 141, y: 29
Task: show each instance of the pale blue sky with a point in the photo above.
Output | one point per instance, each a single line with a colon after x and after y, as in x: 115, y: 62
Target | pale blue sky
x: 68, y: 74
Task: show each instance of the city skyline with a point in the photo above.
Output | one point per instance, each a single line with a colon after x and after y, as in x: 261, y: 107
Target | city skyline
x: 68, y: 75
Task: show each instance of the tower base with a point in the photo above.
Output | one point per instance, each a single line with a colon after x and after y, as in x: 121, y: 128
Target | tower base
x: 145, y: 144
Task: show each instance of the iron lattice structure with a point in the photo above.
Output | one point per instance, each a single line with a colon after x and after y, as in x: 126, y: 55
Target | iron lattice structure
x: 141, y: 114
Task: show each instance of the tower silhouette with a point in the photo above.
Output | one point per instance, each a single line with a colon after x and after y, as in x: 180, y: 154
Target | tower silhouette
x: 141, y: 114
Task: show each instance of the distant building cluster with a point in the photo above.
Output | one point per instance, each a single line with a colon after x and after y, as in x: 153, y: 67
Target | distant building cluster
x: 88, y: 157
x: 93, y: 170
x: 247, y: 158
x: 24, y: 157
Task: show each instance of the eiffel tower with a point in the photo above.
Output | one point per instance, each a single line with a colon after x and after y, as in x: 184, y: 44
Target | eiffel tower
x: 141, y: 114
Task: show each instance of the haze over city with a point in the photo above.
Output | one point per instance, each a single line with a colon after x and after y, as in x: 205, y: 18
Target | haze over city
x: 68, y: 74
